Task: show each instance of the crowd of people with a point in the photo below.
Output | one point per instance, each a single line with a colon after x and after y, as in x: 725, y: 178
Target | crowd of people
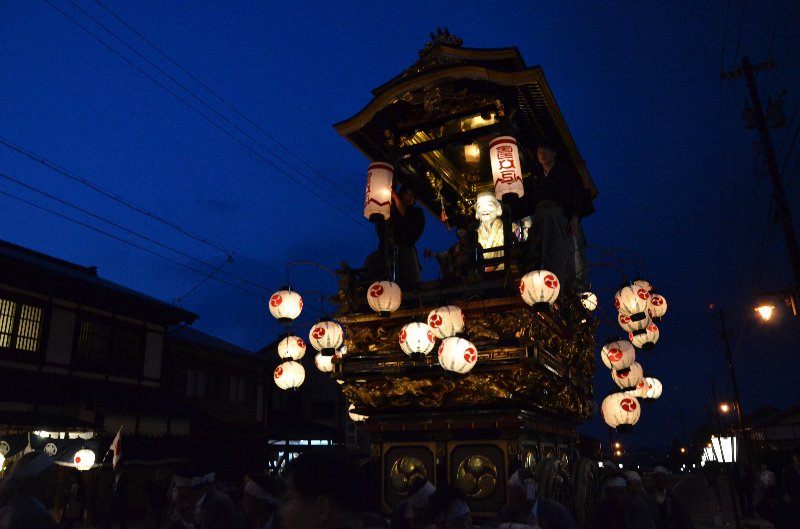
x: 324, y: 489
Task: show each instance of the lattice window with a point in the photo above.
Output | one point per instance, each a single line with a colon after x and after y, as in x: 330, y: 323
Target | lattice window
x: 94, y: 340
x: 20, y: 326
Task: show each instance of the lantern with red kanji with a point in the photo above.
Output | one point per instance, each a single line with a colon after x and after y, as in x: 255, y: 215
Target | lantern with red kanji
x: 416, y: 339
x: 446, y: 321
x: 657, y: 306
x: 326, y: 336
x: 632, y: 301
x: 654, y: 388
x: 539, y: 289
x: 627, y: 378
x: 289, y: 375
x: 384, y: 297
x: 285, y: 305
x: 457, y: 355
x: 378, y: 199
x: 506, y: 169
x: 618, y: 354
x: 620, y: 410
x: 646, y: 338
x: 291, y: 347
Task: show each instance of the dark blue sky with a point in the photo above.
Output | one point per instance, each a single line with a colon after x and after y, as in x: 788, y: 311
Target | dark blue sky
x: 683, y: 202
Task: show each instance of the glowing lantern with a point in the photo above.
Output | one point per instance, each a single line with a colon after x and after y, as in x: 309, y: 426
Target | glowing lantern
x: 644, y: 284
x: 457, y: 355
x: 589, y: 301
x: 539, y: 289
x: 378, y: 199
x: 654, y: 388
x: 446, y: 321
x: 324, y: 362
x: 618, y: 354
x: 619, y: 409
x: 289, y: 375
x: 416, y: 339
x: 326, y: 336
x: 83, y: 459
x: 629, y: 377
x: 646, y: 338
x: 657, y: 306
x: 632, y: 301
x: 285, y: 305
x: 629, y: 325
x: 472, y: 153
x: 640, y: 390
x: 355, y: 416
x: 292, y: 348
x: 506, y: 169
x: 384, y: 297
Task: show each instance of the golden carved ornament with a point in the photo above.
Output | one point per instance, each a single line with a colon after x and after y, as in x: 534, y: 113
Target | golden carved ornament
x: 477, y: 476
x: 404, y: 472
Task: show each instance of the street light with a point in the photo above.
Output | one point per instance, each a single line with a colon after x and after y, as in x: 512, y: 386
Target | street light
x: 724, y: 408
x: 765, y: 311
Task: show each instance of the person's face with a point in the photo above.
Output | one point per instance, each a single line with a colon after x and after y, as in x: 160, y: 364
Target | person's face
x: 487, y: 209
x: 408, y: 198
x: 546, y: 155
x: 295, y: 511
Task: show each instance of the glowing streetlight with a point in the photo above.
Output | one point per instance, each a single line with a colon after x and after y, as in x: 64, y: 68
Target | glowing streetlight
x: 765, y: 311
x: 724, y: 408
x: 683, y: 450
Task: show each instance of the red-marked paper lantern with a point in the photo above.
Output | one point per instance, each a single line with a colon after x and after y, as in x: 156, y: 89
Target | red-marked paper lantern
x: 289, y: 375
x: 292, y: 348
x: 618, y: 354
x: 285, y: 305
x: 657, y: 307
x: 619, y: 409
x: 416, y: 339
x: 84, y: 459
x: 539, y: 289
x: 629, y: 377
x: 644, y: 284
x: 646, y: 338
x: 589, y: 301
x: 654, y: 388
x: 628, y: 325
x: 324, y: 362
x: 457, y: 355
x: 446, y: 321
x: 506, y: 169
x: 378, y: 199
x: 640, y: 390
x: 326, y: 336
x: 384, y: 297
x: 632, y: 301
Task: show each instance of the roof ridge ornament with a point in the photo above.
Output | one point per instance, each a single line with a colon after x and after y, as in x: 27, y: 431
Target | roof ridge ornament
x: 441, y: 37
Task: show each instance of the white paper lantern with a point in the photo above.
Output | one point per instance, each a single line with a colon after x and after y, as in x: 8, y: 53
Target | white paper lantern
x: 644, y: 284
x: 457, y: 355
x: 506, y: 169
x: 657, y: 306
x: 384, y: 297
x: 285, y: 305
x: 83, y: 459
x: 539, y: 289
x: 589, y: 301
x: 355, y: 417
x: 646, y: 338
x: 326, y: 336
x: 289, y: 375
x: 640, y: 390
x: 619, y: 409
x: 618, y: 354
x: 446, y: 321
x: 628, y: 325
x: 627, y: 378
x: 416, y: 338
x: 378, y: 199
x: 632, y: 301
x: 292, y: 348
x: 325, y: 362
x: 654, y: 388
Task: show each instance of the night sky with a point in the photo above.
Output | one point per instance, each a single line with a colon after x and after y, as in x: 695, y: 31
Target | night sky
x: 255, y: 168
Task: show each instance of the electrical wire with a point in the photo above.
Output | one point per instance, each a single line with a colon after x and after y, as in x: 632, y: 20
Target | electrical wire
x: 218, y: 96
x: 739, y: 36
x: 322, y: 196
x: 125, y: 241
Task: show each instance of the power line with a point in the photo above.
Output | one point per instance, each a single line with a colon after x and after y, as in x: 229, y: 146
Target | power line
x: 109, y: 194
x: 130, y: 231
x: 738, y: 37
x: 320, y: 194
x: 125, y: 241
x: 217, y: 95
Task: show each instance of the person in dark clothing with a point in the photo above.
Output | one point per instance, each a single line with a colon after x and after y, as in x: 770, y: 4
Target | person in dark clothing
x: 667, y: 509
x: 28, y: 492
x: 408, y: 223
x: 72, y: 512
x: 746, y: 489
x: 196, y: 504
x: 618, y: 509
x: 525, y: 507
x: 558, y: 201
x: 773, y: 507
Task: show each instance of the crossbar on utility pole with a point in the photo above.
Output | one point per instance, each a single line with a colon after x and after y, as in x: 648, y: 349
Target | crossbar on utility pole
x: 783, y: 213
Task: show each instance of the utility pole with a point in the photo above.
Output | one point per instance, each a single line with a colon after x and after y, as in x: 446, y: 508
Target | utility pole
x: 783, y: 213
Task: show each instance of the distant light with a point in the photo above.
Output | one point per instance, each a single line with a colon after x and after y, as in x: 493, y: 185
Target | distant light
x: 617, y: 445
x: 724, y: 408
x: 765, y: 311
x: 621, y: 465
x: 683, y: 450
x: 600, y: 464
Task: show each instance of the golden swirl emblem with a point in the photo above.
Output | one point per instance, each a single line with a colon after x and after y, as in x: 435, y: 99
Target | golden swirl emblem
x: 406, y: 471
x: 477, y: 476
